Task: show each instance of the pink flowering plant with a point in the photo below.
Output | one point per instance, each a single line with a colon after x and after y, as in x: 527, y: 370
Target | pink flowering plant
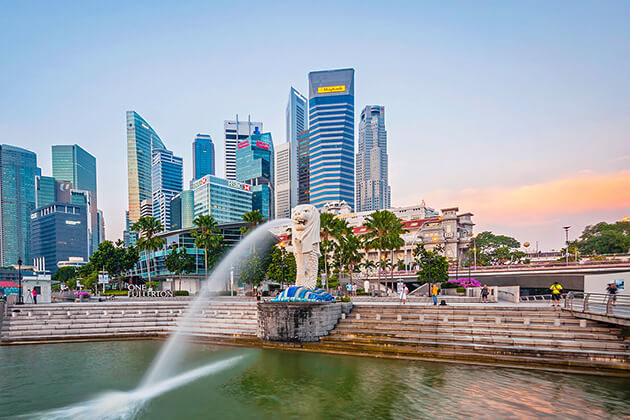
x: 83, y: 294
x: 466, y: 282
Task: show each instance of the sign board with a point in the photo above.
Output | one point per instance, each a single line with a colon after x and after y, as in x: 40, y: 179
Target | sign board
x: 331, y: 89
x: 239, y: 185
x: 103, y: 279
x: 243, y: 144
x: 262, y: 145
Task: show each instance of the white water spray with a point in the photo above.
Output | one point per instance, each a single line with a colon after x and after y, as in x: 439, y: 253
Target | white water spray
x: 161, y: 376
x: 171, y: 353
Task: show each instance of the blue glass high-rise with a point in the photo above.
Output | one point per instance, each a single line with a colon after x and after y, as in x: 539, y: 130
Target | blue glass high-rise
x: 18, y: 168
x: 203, y: 156
x: 167, y: 175
x: 72, y: 163
x: 331, y: 136
x: 254, y: 166
x: 141, y: 140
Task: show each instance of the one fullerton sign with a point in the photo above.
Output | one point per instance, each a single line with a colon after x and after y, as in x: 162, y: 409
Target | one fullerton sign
x: 142, y: 291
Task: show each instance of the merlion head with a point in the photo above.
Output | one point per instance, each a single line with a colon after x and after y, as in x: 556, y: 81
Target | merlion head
x: 305, y: 225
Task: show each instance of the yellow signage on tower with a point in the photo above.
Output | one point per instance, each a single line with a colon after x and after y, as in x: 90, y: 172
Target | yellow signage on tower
x: 331, y: 89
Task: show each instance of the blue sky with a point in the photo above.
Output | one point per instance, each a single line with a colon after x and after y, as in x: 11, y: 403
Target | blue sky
x: 517, y: 112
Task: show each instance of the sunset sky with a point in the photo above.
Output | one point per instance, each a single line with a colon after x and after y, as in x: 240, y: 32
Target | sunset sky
x: 518, y: 112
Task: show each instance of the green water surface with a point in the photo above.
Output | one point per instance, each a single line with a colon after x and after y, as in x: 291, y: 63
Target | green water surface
x: 280, y: 384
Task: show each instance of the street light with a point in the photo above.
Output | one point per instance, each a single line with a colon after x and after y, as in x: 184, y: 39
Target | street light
x: 20, y: 298
x: 566, y: 231
x: 474, y: 238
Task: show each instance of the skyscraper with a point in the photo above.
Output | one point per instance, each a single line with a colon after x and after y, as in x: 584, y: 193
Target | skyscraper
x: 254, y: 166
x: 235, y: 132
x: 18, y: 168
x: 203, y: 156
x: 46, y: 190
x: 183, y: 210
x: 282, y: 167
x: 225, y: 200
x: 167, y: 173
x: 373, y: 191
x: 59, y: 232
x: 141, y: 140
x: 303, y: 168
x: 72, y: 163
x: 296, y: 121
x: 331, y: 128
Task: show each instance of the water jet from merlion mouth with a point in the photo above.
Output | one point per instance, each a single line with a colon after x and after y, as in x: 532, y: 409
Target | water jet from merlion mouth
x: 172, y: 351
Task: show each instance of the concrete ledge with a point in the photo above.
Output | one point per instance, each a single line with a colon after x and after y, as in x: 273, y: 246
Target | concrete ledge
x: 298, y: 321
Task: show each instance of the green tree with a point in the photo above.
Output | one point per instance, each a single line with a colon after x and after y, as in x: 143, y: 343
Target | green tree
x: 492, y: 249
x: 178, y: 261
x: 65, y: 275
x: 384, y: 234
x: 148, y: 227
x: 349, y: 253
x: 432, y: 265
x: 253, y: 219
x: 281, y: 267
x: 208, y: 238
x: 115, y: 259
x: 604, y: 238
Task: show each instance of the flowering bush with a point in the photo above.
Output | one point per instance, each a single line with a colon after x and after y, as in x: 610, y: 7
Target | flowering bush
x: 466, y: 282
x: 83, y: 294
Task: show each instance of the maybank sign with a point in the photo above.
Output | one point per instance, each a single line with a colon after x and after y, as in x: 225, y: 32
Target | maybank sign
x: 331, y: 89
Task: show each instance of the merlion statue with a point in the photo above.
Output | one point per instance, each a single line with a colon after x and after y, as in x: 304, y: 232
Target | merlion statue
x: 305, y: 241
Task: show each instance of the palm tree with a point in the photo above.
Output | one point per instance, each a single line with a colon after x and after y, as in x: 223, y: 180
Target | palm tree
x: 384, y: 231
x: 350, y: 246
x: 253, y: 219
x: 206, y: 236
x: 328, y: 227
x: 147, y: 227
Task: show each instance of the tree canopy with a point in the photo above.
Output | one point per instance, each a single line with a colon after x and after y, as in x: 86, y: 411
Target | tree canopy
x: 432, y: 265
x: 604, y: 238
x: 494, y: 249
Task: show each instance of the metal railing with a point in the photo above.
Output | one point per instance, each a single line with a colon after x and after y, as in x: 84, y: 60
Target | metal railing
x: 598, y: 304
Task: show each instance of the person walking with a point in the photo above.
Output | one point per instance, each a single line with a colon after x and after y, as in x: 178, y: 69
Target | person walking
x: 484, y: 293
x: 556, y: 293
x: 612, y: 291
x: 434, y: 292
x: 405, y: 292
x: 34, y: 294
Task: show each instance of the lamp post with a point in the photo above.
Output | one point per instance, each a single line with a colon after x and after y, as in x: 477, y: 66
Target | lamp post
x: 20, y: 297
x: 566, y: 231
x: 474, y: 238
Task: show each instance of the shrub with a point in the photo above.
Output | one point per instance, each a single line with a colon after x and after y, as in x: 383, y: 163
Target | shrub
x: 344, y: 299
x: 180, y: 293
x: 448, y: 285
x: 115, y: 293
x: 461, y: 289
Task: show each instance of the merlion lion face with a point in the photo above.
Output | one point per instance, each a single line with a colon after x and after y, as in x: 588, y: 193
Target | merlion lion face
x: 304, y: 215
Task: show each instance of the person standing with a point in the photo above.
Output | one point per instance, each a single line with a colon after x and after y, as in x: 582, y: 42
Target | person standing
x: 404, y: 291
x: 434, y: 292
x: 34, y: 293
x: 484, y: 293
x: 612, y: 291
x: 556, y: 293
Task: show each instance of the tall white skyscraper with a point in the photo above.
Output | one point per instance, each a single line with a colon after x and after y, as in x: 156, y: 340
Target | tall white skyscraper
x: 297, y: 122
x: 373, y: 191
x: 236, y: 131
x: 282, y: 162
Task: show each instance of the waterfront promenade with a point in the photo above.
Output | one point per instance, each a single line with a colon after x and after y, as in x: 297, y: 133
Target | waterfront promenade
x: 530, y: 335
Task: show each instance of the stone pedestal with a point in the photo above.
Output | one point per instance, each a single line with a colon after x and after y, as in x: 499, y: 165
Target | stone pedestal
x: 298, y: 321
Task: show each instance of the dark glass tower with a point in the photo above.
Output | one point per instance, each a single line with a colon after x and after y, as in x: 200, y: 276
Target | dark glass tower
x: 331, y: 127
x: 203, y: 156
x: 18, y: 168
x: 254, y: 166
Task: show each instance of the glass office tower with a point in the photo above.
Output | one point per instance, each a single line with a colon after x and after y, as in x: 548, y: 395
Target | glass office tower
x: 373, y: 192
x: 18, y: 168
x: 303, y: 168
x: 203, y: 156
x: 141, y: 140
x: 167, y: 174
x: 296, y: 121
x: 46, y: 190
x: 225, y: 200
x: 331, y: 132
x: 254, y: 166
x: 236, y: 131
x: 59, y: 231
x: 72, y: 163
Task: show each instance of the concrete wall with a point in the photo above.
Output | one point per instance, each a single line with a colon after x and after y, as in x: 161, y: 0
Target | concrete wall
x: 45, y: 289
x: 597, y: 283
x: 509, y: 293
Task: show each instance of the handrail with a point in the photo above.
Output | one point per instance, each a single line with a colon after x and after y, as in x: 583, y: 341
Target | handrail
x: 599, y: 304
